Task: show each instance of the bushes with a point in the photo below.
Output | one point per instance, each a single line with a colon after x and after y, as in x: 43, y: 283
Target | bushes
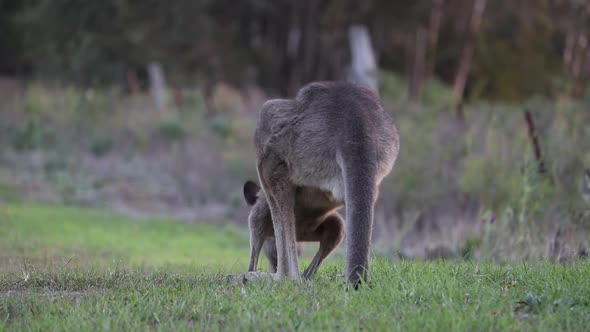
x: 487, y: 157
x: 100, y: 146
x: 482, y: 164
x: 29, y: 136
x: 171, y: 130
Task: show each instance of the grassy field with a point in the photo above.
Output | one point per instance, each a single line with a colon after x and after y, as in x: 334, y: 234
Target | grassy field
x: 44, y: 235
x: 73, y: 269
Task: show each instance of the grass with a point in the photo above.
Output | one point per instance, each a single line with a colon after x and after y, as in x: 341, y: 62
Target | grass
x: 46, y: 234
x: 172, y: 277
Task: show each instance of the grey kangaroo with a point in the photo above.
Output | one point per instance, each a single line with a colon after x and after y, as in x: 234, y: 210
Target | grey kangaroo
x: 331, y: 145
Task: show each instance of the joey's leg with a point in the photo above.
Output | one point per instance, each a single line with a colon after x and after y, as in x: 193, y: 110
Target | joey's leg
x: 299, y: 249
x: 280, y: 192
x: 330, y: 233
x: 256, y: 241
x: 270, y: 249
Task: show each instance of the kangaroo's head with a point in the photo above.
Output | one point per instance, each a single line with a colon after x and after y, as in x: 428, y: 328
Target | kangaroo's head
x: 259, y: 218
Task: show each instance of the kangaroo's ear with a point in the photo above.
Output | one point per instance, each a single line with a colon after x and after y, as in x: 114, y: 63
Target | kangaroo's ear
x: 251, y: 190
x: 587, y: 176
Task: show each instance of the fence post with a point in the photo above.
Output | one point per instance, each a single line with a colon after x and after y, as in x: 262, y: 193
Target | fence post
x: 363, y: 69
x: 157, y: 85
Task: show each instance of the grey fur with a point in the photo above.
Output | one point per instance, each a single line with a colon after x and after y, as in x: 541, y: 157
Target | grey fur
x: 331, y: 145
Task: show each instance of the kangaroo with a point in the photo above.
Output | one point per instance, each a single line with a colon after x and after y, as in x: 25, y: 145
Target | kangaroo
x: 330, y: 146
x: 327, y: 229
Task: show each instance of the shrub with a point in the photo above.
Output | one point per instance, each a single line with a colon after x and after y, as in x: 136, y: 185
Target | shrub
x: 100, y: 146
x: 223, y: 127
x: 28, y: 137
x: 172, y: 130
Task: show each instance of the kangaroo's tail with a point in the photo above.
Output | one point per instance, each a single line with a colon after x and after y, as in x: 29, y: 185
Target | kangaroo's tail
x: 359, y: 171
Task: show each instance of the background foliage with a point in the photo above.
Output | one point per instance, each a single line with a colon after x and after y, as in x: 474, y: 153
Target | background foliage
x: 521, y: 47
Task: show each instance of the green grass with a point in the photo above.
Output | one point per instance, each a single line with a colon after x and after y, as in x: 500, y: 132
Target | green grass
x: 46, y: 234
x: 172, y: 277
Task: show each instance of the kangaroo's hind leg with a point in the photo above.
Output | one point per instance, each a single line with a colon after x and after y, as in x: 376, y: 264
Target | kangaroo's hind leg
x: 280, y: 192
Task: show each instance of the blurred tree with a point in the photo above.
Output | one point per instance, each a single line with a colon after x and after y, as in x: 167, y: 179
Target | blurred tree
x: 12, y: 59
x: 466, y: 58
x: 523, y: 47
x: 516, y: 54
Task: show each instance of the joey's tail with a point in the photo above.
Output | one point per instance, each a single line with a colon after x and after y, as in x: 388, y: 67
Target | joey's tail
x: 359, y: 173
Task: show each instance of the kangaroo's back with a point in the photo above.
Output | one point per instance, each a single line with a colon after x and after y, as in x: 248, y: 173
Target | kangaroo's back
x: 340, y: 122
